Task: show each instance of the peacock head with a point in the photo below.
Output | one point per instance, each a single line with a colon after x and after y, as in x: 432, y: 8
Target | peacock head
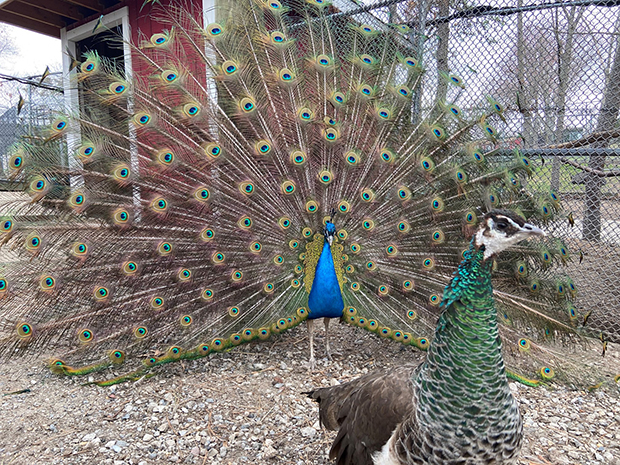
x: 500, y: 229
x: 329, y: 232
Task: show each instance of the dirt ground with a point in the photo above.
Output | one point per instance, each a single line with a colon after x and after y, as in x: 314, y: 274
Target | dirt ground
x: 248, y: 406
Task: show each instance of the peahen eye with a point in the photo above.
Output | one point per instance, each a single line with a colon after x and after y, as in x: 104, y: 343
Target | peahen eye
x: 501, y: 225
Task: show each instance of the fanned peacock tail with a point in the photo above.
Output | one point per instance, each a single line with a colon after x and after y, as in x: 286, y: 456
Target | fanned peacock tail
x: 190, y: 215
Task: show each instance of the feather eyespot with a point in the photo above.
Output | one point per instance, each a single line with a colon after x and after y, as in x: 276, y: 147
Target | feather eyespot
x: 344, y: 206
x: 191, y: 110
x: 157, y: 302
x: 312, y: 206
x: 120, y: 217
x: 410, y: 62
x: 140, y: 332
x: 129, y: 268
x: 206, y: 294
x: 524, y: 345
x: 24, y: 330
x: 331, y: 134
x: 338, y: 99
x: 6, y: 225
x: 101, y: 293
x: 287, y: 187
x: 286, y: 75
x: 367, y: 195
x: 403, y: 227
x: 262, y: 147
x: 404, y: 193
x: 142, y: 119
x: 323, y: 61
x: 201, y: 194
x: 230, y: 67
x: 159, y: 39
x: 85, y: 335
x: 438, y: 237
x: 117, y: 357
x: 365, y: 90
x: 305, y: 114
x: 368, y: 224
x: 117, y: 88
x: 245, y: 222
x: 184, y: 275
x: 422, y: 343
x: 247, y: 105
x: 16, y: 162
x: 159, y: 205
x: 212, y: 150
x: 386, y: 155
x: 207, y: 235
x: 214, y: 30
x: 325, y: 177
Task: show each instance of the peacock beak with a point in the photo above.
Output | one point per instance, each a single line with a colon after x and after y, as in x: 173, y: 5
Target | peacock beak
x: 533, y: 230
x: 330, y: 240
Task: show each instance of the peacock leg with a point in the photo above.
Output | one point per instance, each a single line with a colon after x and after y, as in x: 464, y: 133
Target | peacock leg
x: 329, y: 354
x: 312, y: 361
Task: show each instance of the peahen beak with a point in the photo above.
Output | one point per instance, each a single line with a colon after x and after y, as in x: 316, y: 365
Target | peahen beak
x: 533, y: 230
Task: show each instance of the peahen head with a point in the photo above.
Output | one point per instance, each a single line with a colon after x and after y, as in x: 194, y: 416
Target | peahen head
x: 329, y: 232
x: 500, y: 229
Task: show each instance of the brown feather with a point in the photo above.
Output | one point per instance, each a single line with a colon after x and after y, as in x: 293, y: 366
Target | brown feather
x: 365, y: 412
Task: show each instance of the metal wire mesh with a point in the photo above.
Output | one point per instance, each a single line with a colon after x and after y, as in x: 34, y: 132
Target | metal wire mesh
x: 556, y: 69
x: 40, y: 105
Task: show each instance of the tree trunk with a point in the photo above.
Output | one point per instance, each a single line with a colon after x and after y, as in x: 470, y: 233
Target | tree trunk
x: 607, y: 117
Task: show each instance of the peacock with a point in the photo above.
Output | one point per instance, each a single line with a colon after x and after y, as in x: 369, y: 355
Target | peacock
x: 280, y: 165
x: 455, y: 407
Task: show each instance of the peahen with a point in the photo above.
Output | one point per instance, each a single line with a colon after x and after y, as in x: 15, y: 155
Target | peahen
x: 281, y: 164
x: 455, y: 407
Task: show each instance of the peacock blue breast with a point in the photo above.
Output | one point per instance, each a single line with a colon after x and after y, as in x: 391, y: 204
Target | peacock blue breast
x: 325, y: 300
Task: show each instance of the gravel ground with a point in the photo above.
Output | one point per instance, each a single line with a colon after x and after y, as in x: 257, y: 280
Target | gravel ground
x: 247, y: 406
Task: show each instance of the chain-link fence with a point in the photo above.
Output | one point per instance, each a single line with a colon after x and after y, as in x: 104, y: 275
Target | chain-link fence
x: 556, y: 69
x: 40, y: 101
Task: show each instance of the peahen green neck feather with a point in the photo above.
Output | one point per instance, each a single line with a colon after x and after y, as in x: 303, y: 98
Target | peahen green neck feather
x: 464, y: 367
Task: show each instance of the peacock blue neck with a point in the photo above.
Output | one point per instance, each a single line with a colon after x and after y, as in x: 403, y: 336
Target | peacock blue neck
x: 325, y: 300
x: 464, y: 368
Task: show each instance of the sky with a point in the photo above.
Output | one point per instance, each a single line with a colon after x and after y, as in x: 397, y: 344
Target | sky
x: 34, y: 53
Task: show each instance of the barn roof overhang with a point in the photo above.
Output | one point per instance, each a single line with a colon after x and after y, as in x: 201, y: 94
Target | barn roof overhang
x: 50, y: 16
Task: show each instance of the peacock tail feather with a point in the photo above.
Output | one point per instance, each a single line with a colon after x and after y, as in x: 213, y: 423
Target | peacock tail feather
x: 189, y: 215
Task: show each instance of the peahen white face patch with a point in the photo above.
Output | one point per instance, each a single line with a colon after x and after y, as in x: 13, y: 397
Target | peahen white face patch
x: 503, y: 231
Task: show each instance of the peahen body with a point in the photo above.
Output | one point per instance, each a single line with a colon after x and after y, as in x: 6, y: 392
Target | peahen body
x: 281, y: 164
x: 454, y: 408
